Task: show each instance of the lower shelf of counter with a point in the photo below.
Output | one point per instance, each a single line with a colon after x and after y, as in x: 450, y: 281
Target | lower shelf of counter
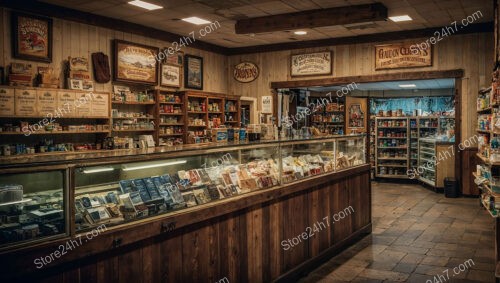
x: 258, y: 237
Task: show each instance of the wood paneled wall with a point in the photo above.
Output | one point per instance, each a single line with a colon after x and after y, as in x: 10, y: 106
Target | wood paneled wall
x: 472, y: 52
x: 74, y: 39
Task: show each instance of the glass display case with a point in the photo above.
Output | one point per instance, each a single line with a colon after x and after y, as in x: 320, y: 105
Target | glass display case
x: 33, y: 206
x: 119, y: 192
x: 427, y: 161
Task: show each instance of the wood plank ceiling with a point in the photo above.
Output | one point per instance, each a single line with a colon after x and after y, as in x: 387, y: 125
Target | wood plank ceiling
x: 425, y: 14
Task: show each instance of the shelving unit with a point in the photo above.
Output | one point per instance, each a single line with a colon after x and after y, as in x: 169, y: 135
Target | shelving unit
x: 59, y: 120
x: 196, y: 119
x: 330, y: 118
x: 170, y: 118
x: 232, y: 112
x: 134, y: 113
x: 428, y: 126
x: 392, y: 147
x: 215, y: 112
x: 413, y: 124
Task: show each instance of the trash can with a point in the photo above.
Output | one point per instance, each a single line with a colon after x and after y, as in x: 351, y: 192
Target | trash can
x: 451, y: 188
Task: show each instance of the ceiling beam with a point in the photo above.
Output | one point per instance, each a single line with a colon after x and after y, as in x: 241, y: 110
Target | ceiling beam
x: 49, y: 10
x: 313, y: 18
x: 369, y: 38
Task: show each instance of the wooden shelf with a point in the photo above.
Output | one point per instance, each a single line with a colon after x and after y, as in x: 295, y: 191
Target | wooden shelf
x: 487, y: 161
x: 172, y: 114
x: 392, y: 127
x: 170, y: 135
x: 126, y: 118
x: 45, y: 117
x: 211, y: 112
x: 166, y: 124
x: 197, y: 126
x: 171, y: 103
x: 196, y: 112
x: 135, y: 130
x: 392, y: 158
x: 392, y: 165
x: 484, y: 110
x: 389, y: 138
x: 133, y: 103
x: 54, y: 133
x: 483, y: 131
x: 392, y: 147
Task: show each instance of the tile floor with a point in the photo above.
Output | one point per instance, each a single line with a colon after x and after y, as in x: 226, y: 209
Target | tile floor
x: 417, y: 234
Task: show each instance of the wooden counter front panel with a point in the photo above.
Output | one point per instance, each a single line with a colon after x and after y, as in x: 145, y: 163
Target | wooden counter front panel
x: 244, y: 246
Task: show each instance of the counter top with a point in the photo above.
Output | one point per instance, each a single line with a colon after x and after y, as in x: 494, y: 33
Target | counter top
x: 94, y: 155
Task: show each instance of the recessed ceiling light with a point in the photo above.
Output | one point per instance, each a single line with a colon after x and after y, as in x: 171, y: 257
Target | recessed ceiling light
x: 196, y: 21
x: 145, y: 5
x: 300, y: 32
x: 408, y: 86
x: 402, y: 18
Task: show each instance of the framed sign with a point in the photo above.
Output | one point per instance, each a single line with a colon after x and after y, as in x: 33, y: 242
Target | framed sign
x: 193, y: 72
x: 402, y: 55
x: 32, y: 37
x: 267, y: 105
x: 311, y: 64
x: 170, y: 75
x: 174, y: 59
x: 135, y: 63
x: 245, y: 72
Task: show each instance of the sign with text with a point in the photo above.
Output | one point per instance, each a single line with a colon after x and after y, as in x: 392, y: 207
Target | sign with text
x: 267, y: 104
x: 401, y: 55
x: 245, y: 72
x: 311, y: 64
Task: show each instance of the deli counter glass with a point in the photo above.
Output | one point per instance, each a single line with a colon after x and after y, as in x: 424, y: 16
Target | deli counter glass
x: 128, y: 191
x: 33, y: 206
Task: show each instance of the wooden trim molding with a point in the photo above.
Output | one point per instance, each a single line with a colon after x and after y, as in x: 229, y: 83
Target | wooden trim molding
x: 403, y: 76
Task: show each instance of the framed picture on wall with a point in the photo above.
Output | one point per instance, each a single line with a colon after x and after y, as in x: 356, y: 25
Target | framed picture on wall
x: 135, y: 63
x: 193, y: 72
x: 32, y: 37
x: 175, y: 59
x: 170, y: 75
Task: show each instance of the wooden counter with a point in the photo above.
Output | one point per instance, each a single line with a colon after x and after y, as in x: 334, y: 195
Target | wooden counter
x: 240, y: 238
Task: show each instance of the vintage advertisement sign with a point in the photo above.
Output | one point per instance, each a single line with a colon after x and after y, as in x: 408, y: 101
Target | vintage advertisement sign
x: 6, y: 102
x: 47, y: 101
x: 32, y: 37
x: 402, y: 55
x: 26, y: 102
x: 311, y: 64
x: 267, y: 105
x: 245, y: 72
x: 135, y: 63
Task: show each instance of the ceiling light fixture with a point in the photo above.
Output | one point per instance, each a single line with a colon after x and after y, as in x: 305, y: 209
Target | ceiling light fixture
x: 408, y: 86
x: 196, y: 21
x: 145, y: 5
x: 402, y: 18
x: 300, y: 32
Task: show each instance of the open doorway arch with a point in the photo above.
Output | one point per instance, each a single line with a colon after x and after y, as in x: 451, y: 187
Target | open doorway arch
x: 457, y: 74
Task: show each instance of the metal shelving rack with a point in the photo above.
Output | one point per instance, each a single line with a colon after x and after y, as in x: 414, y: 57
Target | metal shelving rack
x: 392, y: 158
